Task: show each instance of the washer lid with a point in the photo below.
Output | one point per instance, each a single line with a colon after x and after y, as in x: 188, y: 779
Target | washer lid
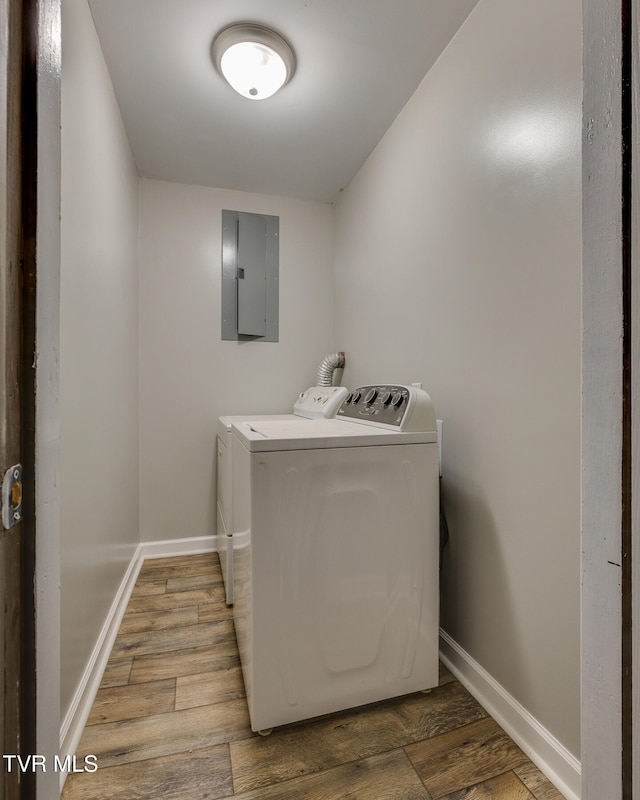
x: 225, y: 422
x: 268, y: 435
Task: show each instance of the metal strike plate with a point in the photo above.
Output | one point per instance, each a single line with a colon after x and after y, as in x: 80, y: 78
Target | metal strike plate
x: 12, y: 497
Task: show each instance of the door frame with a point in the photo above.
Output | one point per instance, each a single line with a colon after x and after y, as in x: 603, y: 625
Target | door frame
x: 16, y: 648
x: 43, y: 267
x: 610, y: 421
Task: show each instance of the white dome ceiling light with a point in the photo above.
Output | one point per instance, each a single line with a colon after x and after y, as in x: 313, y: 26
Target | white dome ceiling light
x: 254, y: 60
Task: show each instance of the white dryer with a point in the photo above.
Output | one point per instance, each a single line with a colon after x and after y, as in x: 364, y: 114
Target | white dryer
x: 336, y: 555
x: 316, y: 402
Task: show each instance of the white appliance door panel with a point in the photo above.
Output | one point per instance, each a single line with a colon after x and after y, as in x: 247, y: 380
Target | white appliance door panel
x: 223, y: 478
x: 242, y: 561
x: 225, y: 556
x: 344, y: 578
x: 224, y: 514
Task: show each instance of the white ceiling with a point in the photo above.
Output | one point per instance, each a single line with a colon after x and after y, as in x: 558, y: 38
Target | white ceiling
x: 359, y: 61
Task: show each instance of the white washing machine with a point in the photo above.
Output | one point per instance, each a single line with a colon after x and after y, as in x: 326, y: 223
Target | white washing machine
x: 336, y: 555
x: 318, y: 401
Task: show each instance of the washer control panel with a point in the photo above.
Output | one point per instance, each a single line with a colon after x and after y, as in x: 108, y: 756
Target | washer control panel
x: 319, y: 402
x: 390, y: 406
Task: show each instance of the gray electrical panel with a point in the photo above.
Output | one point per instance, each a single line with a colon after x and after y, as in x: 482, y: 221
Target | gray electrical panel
x: 250, y: 253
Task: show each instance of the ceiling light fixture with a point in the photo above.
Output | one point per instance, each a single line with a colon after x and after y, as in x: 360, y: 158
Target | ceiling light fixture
x: 254, y: 60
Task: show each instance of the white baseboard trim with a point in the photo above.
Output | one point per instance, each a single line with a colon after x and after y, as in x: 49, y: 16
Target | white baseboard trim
x: 179, y: 547
x: 80, y: 708
x: 546, y: 752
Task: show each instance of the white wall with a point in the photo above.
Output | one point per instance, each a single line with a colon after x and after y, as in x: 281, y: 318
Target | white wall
x: 188, y: 376
x: 98, y: 346
x: 458, y: 250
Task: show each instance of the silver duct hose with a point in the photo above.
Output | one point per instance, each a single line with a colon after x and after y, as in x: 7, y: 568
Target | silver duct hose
x: 328, y: 366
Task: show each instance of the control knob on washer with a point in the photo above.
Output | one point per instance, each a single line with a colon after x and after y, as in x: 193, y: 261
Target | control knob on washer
x: 385, y: 398
x: 397, y: 399
x: 371, y: 396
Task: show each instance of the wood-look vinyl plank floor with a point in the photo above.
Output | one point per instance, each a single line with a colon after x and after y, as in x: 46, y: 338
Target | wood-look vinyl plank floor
x: 210, y: 612
x: 167, y: 602
x: 171, y: 639
x: 117, y: 673
x: 503, y: 787
x: 386, y: 776
x: 209, y: 687
x: 536, y: 782
x: 465, y: 756
x: 165, y: 734
x: 159, y: 620
x: 115, y: 703
x: 204, y: 775
x: 191, y: 582
x: 177, y: 567
x: 194, y: 660
x: 170, y: 720
x: 349, y: 736
x: 149, y: 587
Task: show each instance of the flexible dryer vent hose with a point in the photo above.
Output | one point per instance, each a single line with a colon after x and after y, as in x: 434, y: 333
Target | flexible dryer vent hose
x: 328, y: 366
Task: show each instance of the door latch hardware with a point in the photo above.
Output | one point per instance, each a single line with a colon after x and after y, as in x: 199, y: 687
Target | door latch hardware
x: 12, y: 497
